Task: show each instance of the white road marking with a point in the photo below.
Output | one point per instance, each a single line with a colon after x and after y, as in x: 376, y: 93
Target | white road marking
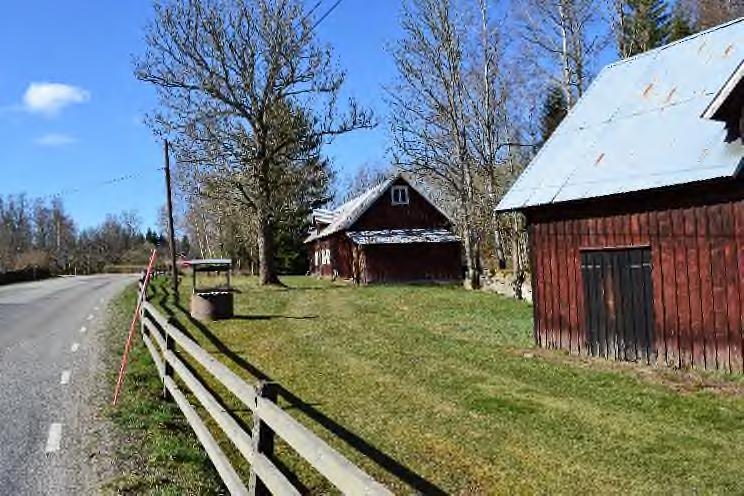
x: 65, y: 377
x: 95, y: 309
x: 83, y: 329
x: 54, y: 439
x: 101, y: 300
x: 74, y: 347
x: 90, y: 317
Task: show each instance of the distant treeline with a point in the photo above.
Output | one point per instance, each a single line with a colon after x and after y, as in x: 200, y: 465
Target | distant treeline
x: 39, y: 239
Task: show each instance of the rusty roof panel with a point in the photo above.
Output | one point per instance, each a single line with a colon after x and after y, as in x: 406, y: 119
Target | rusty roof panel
x: 639, y: 126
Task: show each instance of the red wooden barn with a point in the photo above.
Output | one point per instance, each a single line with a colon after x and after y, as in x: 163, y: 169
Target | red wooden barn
x: 635, y: 210
x: 392, y: 232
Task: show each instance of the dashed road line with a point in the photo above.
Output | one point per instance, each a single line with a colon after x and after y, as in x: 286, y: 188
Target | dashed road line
x: 90, y: 317
x: 95, y: 309
x: 65, y: 379
x: 83, y: 329
x: 74, y: 347
x: 54, y: 439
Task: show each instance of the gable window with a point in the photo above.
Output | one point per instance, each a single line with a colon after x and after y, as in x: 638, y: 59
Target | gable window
x: 399, y: 195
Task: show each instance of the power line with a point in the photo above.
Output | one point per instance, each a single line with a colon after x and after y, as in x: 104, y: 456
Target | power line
x: 107, y: 182
x: 327, y: 13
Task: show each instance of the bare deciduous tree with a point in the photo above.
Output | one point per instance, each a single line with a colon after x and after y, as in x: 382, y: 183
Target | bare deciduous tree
x: 250, y: 96
x: 429, y: 116
x: 564, y: 34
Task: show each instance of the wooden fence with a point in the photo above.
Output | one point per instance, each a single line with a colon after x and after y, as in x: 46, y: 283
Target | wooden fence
x: 161, y: 339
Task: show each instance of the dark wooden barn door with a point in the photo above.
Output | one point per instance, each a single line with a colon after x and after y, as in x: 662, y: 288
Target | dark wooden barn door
x: 619, y: 303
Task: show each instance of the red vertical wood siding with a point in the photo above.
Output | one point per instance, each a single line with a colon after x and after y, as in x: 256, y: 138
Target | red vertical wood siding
x: 697, y: 254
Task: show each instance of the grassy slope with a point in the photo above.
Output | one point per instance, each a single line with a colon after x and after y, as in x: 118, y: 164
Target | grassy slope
x: 155, y: 450
x: 440, y: 385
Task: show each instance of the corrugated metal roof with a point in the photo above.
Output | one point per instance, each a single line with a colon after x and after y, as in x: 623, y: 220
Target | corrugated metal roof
x: 322, y: 215
x: 348, y: 213
x: 402, y: 236
x: 639, y: 126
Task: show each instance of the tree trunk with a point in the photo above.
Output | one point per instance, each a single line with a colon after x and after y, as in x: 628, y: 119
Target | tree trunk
x: 517, y: 265
x: 472, y: 280
x: 266, y: 264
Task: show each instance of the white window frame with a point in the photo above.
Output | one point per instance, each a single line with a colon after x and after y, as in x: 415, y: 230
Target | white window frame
x: 402, y: 193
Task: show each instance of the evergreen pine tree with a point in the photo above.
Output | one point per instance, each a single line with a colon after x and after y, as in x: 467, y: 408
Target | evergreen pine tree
x: 680, y: 24
x: 645, y: 25
x: 553, y: 111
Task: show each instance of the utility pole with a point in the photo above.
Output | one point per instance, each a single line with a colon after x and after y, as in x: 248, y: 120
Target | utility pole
x: 171, y: 233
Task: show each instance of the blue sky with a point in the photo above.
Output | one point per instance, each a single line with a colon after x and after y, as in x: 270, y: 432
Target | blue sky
x: 70, y: 108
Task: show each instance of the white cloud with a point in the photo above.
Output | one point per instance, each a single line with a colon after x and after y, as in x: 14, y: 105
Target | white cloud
x: 55, y: 139
x: 51, y: 98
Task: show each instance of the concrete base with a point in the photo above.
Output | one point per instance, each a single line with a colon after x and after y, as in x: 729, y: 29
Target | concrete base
x: 213, y: 305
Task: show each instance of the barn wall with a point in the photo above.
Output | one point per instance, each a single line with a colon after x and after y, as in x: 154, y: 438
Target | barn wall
x: 411, y: 262
x: 340, y: 256
x: 696, y: 238
x: 418, y: 214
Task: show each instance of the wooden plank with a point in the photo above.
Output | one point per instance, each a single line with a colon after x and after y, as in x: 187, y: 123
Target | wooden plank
x: 232, y: 381
x: 553, y: 287
x: 732, y: 287
x: 227, y: 473
x: 538, y: 299
x: 669, y: 288
x: 658, y: 287
x: 155, y: 334
x: 330, y: 463
x: 600, y: 308
x: 683, y: 288
x: 573, y: 266
x: 155, y: 355
x: 263, y: 438
x: 640, y: 325
x: 618, y: 290
x: 630, y: 306
x: 646, y: 310
x: 636, y: 229
x: 533, y: 283
x: 563, y: 322
x: 739, y: 237
x: 583, y: 305
x: 611, y: 301
x: 718, y: 272
x: 271, y: 476
x: 587, y: 291
x: 694, y: 286
x: 710, y: 350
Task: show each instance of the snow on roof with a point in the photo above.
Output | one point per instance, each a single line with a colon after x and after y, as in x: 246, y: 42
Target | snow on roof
x: 640, y: 126
x: 400, y: 236
x: 348, y: 213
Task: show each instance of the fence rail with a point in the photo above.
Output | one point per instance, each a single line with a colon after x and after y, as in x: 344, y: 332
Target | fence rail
x: 161, y: 338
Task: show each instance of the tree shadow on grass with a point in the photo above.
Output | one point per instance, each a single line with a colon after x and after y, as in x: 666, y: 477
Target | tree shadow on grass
x: 384, y: 461
x: 271, y: 317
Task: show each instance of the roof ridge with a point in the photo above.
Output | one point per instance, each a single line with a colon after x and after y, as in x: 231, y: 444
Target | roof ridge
x: 675, y: 42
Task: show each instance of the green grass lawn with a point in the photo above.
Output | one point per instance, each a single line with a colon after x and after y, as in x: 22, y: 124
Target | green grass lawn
x: 435, y: 389
x: 154, y: 450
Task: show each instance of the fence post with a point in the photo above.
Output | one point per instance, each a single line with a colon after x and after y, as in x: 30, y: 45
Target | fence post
x: 170, y: 345
x: 263, y: 437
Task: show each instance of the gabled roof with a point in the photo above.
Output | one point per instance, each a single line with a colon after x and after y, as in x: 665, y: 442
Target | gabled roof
x: 348, y: 213
x: 641, y: 125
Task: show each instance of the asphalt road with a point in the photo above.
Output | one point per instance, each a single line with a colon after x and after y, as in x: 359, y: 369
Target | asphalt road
x: 48, y: 346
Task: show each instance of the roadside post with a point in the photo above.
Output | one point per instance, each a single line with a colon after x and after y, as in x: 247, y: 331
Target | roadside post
x: 133, y: 327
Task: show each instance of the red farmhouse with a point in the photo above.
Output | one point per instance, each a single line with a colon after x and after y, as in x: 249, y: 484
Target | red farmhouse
x: 635, y: 208
x: 390, y: 233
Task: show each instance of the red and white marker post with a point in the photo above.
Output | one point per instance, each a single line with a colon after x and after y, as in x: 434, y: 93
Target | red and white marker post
x: 133, y: 327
